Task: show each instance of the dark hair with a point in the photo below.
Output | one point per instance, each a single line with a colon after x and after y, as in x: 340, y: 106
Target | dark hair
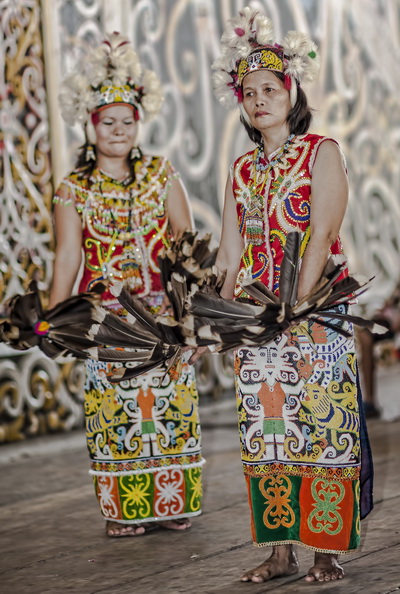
x: 299, y: 117
x: 85, y: 167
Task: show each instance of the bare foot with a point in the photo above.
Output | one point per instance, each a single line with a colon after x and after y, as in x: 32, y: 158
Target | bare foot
x: 325, y: 569
x: 179, y: 524
x: 116, y: 530
x: 283, y: 561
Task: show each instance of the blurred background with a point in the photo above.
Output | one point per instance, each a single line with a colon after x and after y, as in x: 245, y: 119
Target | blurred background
x: 356, y: 100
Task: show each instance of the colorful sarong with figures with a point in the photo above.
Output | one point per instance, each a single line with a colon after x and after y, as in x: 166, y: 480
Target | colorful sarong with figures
x: 298, y: 398
x: 143, y: 434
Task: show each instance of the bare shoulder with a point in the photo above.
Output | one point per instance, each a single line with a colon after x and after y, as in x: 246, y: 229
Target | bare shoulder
x: 329, y: 148
x: 329, y: 157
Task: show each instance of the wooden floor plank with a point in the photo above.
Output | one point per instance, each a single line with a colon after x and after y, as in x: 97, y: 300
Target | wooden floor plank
x: 52, y: 540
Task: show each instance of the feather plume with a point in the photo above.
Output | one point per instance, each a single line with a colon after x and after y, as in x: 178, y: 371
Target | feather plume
x: 263, y: 29
x: 259, y: 292
x: 126, y: 373
x: 185, y: 266
x: 112, y: 355
x: 76, y: 99
x: 59, y: 330
x: 114, y: 63
x: 114, y: 327
x: 288, y: 279
x: 113, y: 60
x: 251, y: 30
x: 201, y: 316
x: 99, y: 314
x: 303, y: 58
x: 153, y: 95
x: 134, y: 307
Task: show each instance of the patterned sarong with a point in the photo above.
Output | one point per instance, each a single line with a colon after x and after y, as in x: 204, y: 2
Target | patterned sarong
x: 300, y: 439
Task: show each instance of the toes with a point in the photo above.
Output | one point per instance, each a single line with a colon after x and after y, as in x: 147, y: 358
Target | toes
x: 257, y: 578
x: 323, y: 576
x: 180, y: 524
x: 139, y: 530
x: 113, y: 532
x: 125, y: 531
x: 246, y: 577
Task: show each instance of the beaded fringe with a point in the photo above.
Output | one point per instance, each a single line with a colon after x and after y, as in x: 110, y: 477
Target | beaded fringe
x: 302, y: 544
x: 154, y: 519
x: 147, y: 470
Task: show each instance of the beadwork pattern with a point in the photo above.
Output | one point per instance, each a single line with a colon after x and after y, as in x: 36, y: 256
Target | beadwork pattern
x: 143, y: 435
x: 124, y: 225
x: 273, y: 198
x: 297, y: 397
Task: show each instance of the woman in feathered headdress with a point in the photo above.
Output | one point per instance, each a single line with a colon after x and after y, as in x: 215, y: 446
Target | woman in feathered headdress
x: 298, y: 397
x: 121, y: 207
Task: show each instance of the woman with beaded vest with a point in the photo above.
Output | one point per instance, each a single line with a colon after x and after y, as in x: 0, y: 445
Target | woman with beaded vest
x: 120, y: 207
x: 304, y: 447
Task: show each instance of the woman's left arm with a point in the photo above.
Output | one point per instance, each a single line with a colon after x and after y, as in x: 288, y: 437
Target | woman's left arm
x: 178, y: 208
x: 180, y: 217
x: 329, y: 195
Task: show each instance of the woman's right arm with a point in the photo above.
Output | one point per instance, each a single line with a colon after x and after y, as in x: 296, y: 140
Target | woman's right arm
x: 231, y: 244
x: 68, y: 234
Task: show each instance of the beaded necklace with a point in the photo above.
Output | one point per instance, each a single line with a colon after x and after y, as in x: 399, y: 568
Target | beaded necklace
x: 254, y: 217
x: 262, y: 166
x: 125, y: 235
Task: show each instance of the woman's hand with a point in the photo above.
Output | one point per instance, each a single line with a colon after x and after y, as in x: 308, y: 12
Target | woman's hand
x: 165, y: 307
x: 197, y: 353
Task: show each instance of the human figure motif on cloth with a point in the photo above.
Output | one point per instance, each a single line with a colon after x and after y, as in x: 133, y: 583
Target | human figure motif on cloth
x: 304, y: 448
x: 297, y: 397
x: 121, y: 207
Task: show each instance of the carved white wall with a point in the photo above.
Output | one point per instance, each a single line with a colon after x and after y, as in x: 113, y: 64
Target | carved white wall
x: 355, y: 100
x: 36, y: 394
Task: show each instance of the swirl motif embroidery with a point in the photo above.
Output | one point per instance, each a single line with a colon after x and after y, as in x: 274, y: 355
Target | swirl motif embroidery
x: 357, y: 497
x: 279, y: 513
x: 136, y: 496
x: 194, y: 480
x: 106, y: 495
x: 325, y: 516
x: 170, y: 485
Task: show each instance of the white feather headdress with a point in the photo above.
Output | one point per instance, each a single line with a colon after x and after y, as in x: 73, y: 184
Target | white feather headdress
x: 248, y: 44
x: 112, y: 74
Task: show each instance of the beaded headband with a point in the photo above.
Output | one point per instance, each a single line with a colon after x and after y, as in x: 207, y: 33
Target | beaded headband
x: 269, y: 58
x: 248, y: 45
x: 109, y: 94
x: 112, y: 75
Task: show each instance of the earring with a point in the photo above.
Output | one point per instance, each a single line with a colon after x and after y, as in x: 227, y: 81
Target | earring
x: 135, y: 153
x: 90, y: 154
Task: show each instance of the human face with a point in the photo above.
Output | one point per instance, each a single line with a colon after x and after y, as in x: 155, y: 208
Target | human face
x: 266, y: 102
x: 116, y: 131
